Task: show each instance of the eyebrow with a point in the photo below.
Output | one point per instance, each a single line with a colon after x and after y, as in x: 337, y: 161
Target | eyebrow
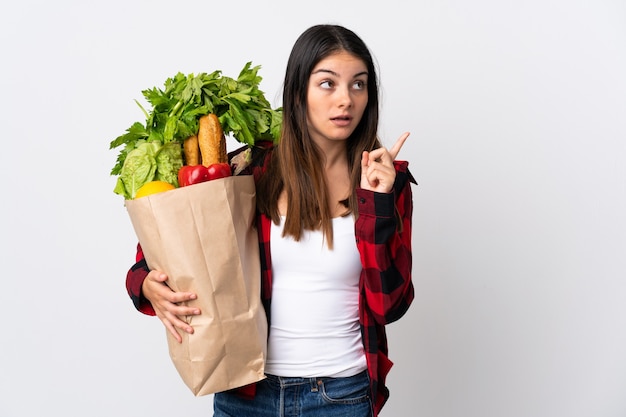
x: 336, y: 74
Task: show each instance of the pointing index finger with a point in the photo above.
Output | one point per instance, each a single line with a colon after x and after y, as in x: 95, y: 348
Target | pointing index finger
x: 395, y: 150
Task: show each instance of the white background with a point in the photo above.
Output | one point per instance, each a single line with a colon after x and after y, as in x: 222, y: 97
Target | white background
x: 518, y: 119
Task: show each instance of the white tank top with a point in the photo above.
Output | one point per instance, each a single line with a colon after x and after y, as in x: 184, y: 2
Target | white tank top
x: 315, y: 304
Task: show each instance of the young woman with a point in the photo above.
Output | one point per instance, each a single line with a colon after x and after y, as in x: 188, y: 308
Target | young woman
x: 334, y: 224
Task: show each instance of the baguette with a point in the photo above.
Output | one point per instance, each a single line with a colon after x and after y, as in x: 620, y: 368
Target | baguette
x: 191, y: 150
x: 211, y: 140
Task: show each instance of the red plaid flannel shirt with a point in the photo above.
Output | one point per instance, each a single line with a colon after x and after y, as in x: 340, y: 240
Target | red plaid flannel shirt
x: 385, y: 282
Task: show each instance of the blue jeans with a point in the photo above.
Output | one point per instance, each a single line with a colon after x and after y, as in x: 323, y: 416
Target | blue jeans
x: 300, y: 397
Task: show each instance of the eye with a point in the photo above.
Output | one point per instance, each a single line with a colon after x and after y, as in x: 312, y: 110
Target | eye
x: 326, y: 84
x: 359, y: 85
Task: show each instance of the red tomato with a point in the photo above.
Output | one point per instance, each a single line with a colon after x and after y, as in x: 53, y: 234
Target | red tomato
x: 194, y: 174
x: 220, y: 170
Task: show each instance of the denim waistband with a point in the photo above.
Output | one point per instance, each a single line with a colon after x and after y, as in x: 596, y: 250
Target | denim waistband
x: 287, y: 381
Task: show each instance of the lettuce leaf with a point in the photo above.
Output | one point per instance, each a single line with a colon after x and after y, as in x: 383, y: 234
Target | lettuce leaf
x: 139, y: 167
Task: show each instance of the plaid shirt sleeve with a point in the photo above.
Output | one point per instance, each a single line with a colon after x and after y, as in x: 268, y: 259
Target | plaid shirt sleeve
x: 134, y: 280
x: 383, y: 233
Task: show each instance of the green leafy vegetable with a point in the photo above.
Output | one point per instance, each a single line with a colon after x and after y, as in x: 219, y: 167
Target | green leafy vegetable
x: 139, y: 167
x: 240, y: 105
x: 168, y: 161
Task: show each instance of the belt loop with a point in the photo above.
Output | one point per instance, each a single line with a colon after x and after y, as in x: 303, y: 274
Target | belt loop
x: 314, y: 383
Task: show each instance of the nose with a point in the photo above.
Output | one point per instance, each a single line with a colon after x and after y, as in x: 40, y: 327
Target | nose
x: 344, y: 97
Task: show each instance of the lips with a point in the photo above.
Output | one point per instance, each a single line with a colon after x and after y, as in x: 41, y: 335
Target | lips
x: 343, y: 120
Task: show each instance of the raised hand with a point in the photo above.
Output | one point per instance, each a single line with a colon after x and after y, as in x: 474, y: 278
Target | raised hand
x: 377, y: 170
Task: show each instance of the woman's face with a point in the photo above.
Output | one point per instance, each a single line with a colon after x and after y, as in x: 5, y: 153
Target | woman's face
x: 336, y: 97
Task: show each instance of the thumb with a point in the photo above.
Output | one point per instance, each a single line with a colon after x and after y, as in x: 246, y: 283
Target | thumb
x: 365, y: 157
x: 365, y: 160
x: 160, y: 277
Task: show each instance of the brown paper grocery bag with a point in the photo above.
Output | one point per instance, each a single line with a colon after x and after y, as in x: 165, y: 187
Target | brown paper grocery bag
x: 203, y: 237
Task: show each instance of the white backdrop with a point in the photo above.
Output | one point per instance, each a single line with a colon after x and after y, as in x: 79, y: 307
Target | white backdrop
x: 518, y: 119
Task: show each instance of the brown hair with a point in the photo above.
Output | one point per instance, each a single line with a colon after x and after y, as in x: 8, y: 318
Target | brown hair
x: 296, y: 160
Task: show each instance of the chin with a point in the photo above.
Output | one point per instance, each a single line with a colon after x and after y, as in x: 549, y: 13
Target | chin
x: 341, y: 135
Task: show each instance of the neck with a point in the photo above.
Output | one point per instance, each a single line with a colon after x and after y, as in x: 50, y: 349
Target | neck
x: 334, y: 155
